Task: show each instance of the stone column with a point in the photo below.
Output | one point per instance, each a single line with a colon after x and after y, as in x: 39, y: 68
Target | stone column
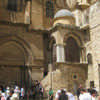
x: 60, y: 54
x: 50, y: 72
x: 83, y: 55
x: 30, y: 74
x: 27, y: 12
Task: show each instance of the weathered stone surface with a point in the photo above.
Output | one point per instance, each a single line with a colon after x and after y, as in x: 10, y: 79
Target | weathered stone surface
x: 25, y: 36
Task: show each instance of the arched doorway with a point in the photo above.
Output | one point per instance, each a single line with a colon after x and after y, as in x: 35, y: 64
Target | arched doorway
x: 75, y: 87
x: 72, y: 50
x: 12, y: 63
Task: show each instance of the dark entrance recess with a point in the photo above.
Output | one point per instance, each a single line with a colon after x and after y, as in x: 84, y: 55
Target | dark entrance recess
x: 72, y: 50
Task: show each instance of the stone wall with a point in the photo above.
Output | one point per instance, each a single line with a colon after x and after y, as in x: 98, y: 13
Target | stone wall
x: 66, y: 76
x: 10, y: 75
x: 21, y: 47
x: 93, y: 46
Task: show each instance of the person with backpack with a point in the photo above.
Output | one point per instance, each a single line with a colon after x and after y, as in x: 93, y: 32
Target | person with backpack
x: 63, y: 95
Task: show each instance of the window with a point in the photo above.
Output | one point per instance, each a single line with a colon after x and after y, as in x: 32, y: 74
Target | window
x: 72, y: 50
x: 49, y: 9
x: 15, y: 5
x: 89, y: 58
x: 12, y: 5
x: 91, y: 84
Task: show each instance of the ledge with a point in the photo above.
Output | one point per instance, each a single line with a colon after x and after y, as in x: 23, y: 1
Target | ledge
x: 83, y: 5
x: 44, y: 31
x: 86, y: 26
x: 14, y: 24
x: 74, y: 63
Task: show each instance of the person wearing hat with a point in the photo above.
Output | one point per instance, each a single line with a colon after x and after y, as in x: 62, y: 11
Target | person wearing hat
x: 58, y: 93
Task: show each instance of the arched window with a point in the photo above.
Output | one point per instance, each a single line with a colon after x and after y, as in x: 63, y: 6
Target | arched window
x: 72, y: 50
x: 49, y: 9
x: 15, y: 5
x: 12, y: 5
x: 89, y: 58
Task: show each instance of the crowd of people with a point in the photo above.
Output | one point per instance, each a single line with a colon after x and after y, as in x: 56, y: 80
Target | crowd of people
x: 86, y: 94
x: 36, y: 93
x: 12, y: 93
x: 62, y: 94
x: 82, y: 94
x: 22, y: 93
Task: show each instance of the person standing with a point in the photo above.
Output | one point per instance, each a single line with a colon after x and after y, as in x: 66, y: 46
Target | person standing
x: 10, y: 95
x: 28, y: 94
x: 58, y: 93
x: 50, y: 94
x: 7, y: 91
x: 85, y: 95
x: 63, y: 95
x: 22, y: 93
x: 3, y: 96
x: 78, y: 90
x: 0, y: 92
x: 34, y: 93
x: 93, y: 94
x: 70, y: 95
x: 41, y: 90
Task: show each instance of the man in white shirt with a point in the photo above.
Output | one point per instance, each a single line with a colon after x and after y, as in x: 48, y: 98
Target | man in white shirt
x: 70, y: 95
x: 57, y: 94
x: 84, y: 95
x: 93, y: 93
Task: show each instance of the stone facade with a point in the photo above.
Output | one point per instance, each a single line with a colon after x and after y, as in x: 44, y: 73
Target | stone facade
x: 31, y: 38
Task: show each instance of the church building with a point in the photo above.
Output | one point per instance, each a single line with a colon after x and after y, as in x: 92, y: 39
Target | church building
x: 54, y: 41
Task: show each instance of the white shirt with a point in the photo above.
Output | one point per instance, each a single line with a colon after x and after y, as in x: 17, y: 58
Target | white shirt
x: 22, y: 92
x: 93, y: 98
x: 85, y: 96
x: 7, y: 92
x: 57, y: 94
x: 70, y: 96
x: 80, y: 96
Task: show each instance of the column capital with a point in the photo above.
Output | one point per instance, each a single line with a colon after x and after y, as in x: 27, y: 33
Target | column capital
x: 63, y: 44
x: 82, y: 47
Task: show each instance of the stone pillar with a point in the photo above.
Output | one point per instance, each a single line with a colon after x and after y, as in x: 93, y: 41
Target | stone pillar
x: 27, y: 12
x: 60, y: 54
x: 50, y: 71
x: 30, y: 74
x: 83, y: 55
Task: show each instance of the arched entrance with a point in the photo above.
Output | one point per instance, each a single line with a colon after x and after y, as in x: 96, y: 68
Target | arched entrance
x: 12, y: 63
x: 75, y: 87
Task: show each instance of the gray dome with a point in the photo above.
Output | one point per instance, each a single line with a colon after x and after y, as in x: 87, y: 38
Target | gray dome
x: 63, y: 12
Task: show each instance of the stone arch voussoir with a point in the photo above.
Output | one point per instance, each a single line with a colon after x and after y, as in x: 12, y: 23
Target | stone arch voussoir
x: 21, y: 44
